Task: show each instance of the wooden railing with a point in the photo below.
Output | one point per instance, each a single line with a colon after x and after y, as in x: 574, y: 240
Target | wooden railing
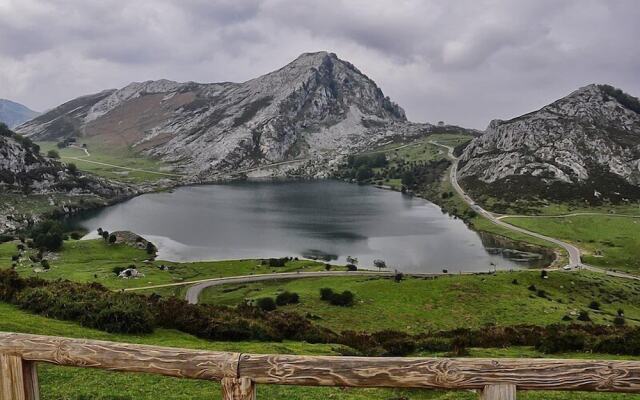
x: 239, y: 373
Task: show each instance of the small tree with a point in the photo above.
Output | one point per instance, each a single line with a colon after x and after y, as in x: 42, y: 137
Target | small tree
x: 380, y: 264
x: 105, y: 235
x: 72, y: 168
x: 53, y: 154
x: 45, y: 264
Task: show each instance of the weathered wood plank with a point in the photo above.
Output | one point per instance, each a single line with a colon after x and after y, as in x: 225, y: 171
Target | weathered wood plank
x: 238, y: 389
x: 167, y: 361
x: 443, y: 373
x: 498, y: 392
x: 12, y: 381
x: 31, y: 386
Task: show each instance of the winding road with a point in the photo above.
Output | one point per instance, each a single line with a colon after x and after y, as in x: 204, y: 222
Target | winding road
x: 573, y: 251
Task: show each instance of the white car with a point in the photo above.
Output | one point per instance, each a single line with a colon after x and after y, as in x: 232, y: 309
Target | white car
x: 567, y: 268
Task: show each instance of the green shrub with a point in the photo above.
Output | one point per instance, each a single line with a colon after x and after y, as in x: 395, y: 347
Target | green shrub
x: 266, y: 304
x: 325, y: 294
x: 285, y: 298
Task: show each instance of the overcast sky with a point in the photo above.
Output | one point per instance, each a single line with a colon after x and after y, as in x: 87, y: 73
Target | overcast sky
x: 462, y: 61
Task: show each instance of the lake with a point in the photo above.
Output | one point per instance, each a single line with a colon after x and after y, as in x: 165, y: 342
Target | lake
x: 325, y: 219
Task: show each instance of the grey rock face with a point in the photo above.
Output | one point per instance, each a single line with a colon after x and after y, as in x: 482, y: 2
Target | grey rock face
x: 318, y: 104
x: 24, y: 170
x: 13, y: 114
x: 581, y: 137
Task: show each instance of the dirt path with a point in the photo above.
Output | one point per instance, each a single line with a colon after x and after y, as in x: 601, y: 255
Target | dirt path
x: 87, y: 154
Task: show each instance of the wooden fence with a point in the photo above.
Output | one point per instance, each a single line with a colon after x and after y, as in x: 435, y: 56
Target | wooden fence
x: 495, y: 379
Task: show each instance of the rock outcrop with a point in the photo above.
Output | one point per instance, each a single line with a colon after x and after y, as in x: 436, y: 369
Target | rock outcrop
x: 24, y: 172
x: 316, y: 105
x: 583, y: 146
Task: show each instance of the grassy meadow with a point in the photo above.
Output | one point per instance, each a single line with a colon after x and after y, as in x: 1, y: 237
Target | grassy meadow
x: 94, y: 261
x: 611, y: 242
x: 419, y: 304
x: 118, y: 156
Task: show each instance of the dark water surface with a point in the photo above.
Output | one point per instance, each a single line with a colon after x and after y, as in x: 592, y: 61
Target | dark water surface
x: 319, y: 218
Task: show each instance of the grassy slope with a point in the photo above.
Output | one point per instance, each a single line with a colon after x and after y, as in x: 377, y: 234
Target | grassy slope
x: 416, y: 305
x: 617, y: 239
x: 117, y: 156
x: 94, y: 260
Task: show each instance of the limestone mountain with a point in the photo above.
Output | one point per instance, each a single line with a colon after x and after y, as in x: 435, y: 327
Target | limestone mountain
x: 13, y: 114
x: 317, y: 104
x: 24, y: 170
x: 583, y: 146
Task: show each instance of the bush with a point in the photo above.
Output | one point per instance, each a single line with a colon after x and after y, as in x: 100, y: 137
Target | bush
x: 560, y: 342
x: 594, y: 305
x: 325, y: 294
x: 266, y: 304
x: 584, y: 316
x: 76, y: 235
x: 344, y: 299
x: 618, y: 321
x: 53, y: 154
x: 533, y: 288
x: 352, y: 267
x: 285, y: 298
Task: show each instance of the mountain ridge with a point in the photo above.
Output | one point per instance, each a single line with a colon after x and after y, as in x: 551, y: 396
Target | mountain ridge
x: 588, y: 139
x: 314, y: 105
x: 13, y: 114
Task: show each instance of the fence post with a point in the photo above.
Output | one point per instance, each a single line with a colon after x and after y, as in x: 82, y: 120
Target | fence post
x: 499, y: 392
x: 31, y: 387
x: 238, y: 389
x: 18, y: 379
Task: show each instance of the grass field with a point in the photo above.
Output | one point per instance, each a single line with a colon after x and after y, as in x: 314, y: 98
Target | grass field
x: 94, y: 260
x: 610, y: 242
x: 66, y: 383
x: 121, y: 157
x: 416, y: 305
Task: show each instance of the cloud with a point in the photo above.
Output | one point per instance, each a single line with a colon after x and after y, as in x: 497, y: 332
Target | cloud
x: 464, y: 62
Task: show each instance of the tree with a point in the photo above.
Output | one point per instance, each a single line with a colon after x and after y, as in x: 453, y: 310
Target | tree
x: 408, y: 179
x: 72, y: 168
x: 352, y: 260
x: 105, y: 235
x: 53, y: 154
x: 380, y: 264
x: 47, y: 235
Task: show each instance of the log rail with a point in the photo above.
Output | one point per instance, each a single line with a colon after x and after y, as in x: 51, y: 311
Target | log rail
x: 494, y: 379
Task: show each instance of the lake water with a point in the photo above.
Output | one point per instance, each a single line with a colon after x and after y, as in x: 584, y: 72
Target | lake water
x: 327, y: 219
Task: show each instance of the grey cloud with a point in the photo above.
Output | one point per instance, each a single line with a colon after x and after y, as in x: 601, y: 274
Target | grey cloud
x: 464, y: 61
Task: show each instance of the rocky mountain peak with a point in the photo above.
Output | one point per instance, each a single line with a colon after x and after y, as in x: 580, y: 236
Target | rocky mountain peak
x: 316, y: 104
x: 584, y: 144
